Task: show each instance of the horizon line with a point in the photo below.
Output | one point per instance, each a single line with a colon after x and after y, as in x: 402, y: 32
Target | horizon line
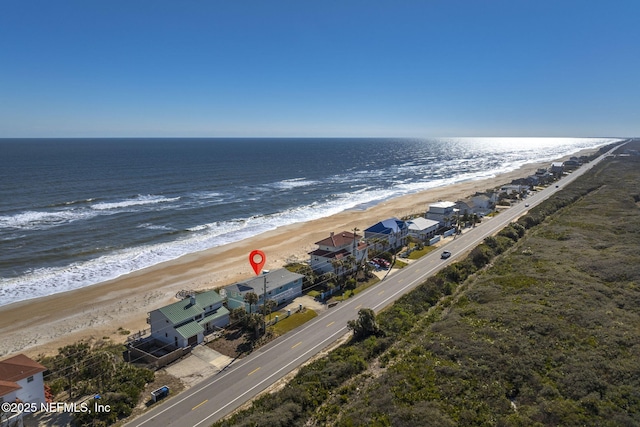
x: 308, y: 137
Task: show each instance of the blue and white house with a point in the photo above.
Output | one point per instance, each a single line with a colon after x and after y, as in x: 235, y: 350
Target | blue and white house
x: 282, y: 286
x: 388, y: 234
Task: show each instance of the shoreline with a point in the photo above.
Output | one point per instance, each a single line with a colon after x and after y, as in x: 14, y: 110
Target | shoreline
x: 42, y: 325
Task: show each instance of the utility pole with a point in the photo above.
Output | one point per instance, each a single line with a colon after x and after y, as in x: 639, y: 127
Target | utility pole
x: 354, y: 252
x: 264, y: 305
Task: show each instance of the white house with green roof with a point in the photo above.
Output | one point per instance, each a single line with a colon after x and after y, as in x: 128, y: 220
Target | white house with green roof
x: 184, y: 323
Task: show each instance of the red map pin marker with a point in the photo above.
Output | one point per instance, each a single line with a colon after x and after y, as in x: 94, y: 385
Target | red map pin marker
x: 257, y: 260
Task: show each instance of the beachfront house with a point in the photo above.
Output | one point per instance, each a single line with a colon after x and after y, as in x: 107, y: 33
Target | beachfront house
x: 443, y: 212
x: 479, y: 204
x: 282, y: 286
x: 388, y: 234
x: 514, y: 189
x: 533, y: 180
x: 21, y: 380
x: 572, y: 163
x: 335, y: 249
x: 484, y: 203
x: 557, y: 169
x: 422, y: 229
x: 544, y: 176
x: 184, y: 323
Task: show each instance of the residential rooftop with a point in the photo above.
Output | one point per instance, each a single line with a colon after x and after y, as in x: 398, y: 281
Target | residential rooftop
x: 19, y: 367
x: 275, y: 279
x: 187, y: 309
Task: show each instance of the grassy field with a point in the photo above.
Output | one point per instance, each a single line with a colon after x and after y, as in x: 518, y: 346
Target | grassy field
x: 419, y: 254
x: 286, y: 324
x: 538, y: 326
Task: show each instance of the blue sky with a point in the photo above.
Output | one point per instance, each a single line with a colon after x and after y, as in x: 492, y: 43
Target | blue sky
x: 327, y: 68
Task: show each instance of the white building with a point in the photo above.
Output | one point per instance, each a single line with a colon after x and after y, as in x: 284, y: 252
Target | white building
x: 443, y: 212
x: 184, y: 323
x: 422, y: 228
x: 21, y: 380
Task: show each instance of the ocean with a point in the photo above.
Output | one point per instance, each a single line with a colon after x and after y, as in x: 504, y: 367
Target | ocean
x: 75, y: 212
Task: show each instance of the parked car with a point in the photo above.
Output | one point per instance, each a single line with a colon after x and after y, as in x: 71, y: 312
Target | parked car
x: 382, y: 262
x: 374, y: 265
x: 445, y: 255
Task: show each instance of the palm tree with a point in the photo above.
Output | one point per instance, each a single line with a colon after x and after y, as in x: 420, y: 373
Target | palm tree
x: 328, y: 277
x: 251, y: 298
x: 255, y: 321
x: 352, y: 264
x: 336, y: 264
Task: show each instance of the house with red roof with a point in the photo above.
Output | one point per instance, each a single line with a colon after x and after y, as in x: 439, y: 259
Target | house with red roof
x: 335, y: 248
x: 21, y: 380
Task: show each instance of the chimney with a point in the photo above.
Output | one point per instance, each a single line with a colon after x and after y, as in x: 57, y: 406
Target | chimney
x: 192, y: 300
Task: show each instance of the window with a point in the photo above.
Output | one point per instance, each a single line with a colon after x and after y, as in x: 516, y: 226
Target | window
x: 30, y: 379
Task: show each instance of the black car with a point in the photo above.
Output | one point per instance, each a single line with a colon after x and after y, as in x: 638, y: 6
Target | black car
x: 445, y: 255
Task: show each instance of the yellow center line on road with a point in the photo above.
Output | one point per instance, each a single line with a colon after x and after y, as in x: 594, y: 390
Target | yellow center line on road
x: 381, y: 292
x: 254, y: 371
x: 297, y: 344
x: 199, y: 404
x: 330, y: 324
x: 358, y: 306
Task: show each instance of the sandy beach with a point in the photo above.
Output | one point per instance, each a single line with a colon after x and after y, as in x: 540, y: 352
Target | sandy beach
x: 41, y: 326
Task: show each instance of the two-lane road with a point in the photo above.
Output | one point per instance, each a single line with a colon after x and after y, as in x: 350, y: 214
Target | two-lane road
x: 219, y: 395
